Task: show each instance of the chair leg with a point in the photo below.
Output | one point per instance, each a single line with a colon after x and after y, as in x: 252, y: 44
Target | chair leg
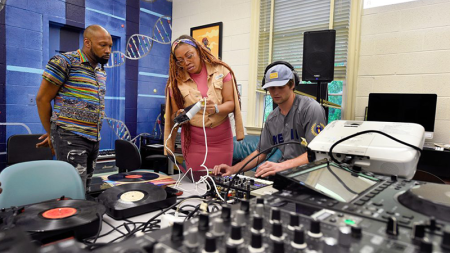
x: 156, y: 166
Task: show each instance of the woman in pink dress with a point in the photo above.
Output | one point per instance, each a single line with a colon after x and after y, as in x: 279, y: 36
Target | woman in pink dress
x: 195, y: 74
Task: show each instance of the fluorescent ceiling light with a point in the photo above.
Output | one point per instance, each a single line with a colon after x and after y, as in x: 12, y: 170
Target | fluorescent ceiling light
x: 377, y: 3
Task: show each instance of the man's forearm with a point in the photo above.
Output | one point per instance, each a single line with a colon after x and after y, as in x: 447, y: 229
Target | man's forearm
x: 252, y: 164
x: 298, y: 161
x: 45, y: 112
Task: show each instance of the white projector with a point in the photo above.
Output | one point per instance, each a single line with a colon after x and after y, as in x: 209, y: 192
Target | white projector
x: 372, y: 151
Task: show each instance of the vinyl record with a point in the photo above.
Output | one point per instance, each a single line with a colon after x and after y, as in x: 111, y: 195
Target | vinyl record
x: 132, y: 195
x: 133, y: 177
x: 428, y: 199
x: 57, y: 215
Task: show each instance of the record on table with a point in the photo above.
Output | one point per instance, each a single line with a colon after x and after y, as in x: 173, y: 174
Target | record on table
x: 58, y: 215
x: 132, y: 195
x: 133, y: 177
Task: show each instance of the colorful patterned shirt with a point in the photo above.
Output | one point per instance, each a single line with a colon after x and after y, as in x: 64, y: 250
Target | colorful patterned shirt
x: 79, y: 105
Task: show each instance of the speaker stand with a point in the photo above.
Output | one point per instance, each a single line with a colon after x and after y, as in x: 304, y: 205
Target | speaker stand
x: 322, y: 95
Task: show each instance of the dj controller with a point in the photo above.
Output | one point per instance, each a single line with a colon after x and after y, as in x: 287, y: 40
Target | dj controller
x: 301, y: 222
x: 390, y: 215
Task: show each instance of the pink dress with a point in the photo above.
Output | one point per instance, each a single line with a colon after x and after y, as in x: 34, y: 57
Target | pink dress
x: 220, y: 138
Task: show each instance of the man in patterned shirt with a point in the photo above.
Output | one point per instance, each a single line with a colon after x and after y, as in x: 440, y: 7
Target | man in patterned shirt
x: 76, y: 84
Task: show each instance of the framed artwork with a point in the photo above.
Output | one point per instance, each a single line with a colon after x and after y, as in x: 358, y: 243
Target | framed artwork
x: 210, y: 36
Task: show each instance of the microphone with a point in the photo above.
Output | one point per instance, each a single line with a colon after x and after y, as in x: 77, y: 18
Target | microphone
x: 188, y: 113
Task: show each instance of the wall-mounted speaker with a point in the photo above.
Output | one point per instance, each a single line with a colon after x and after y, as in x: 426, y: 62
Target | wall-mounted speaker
x: 318, y: 55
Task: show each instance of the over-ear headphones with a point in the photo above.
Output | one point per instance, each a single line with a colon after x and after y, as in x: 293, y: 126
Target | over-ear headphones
x: 296, y: 78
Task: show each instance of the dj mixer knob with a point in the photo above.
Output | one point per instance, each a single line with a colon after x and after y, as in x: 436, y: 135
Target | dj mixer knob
x: 258, y: 224
x: 314, y: 229
x: 418, y: 232
x: 191, y: 241
x: 231, y: 248
x: 177, y: 231
x: 278, y: 246
x: 259, y: 201
x: 236, y: 234
x: 259, y: 209
x: 344, y: 237
x: 203, y: 222
x: 299, y: 242
x: 329, y: 245
x: 218, y: 229
x: 356, y: 232
x: 256, y: 244
x: 445, y: 244
x: 241, y: 218
x: 226, y: 213
x: 392, y: 226
x: 275, y: 214
x: 210, y: 244
x: 245, y: 206
x: 426, y: 246
x: 277, y: 231
x: 294, y: 220
x: 432, y: 223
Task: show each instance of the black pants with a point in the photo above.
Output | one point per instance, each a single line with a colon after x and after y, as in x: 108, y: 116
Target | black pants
x: 76, y: 150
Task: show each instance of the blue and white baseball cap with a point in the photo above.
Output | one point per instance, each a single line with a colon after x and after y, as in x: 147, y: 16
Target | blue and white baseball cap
x: 278, y: 75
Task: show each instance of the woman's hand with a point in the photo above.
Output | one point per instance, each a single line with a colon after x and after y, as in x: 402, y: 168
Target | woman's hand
x: 210, y: 107
x: 177, y: 113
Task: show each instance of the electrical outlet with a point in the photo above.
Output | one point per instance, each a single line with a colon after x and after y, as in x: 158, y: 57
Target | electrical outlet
x: 31, y: 99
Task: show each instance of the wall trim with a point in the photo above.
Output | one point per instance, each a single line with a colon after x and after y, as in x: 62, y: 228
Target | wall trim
x: 253, y: 65
x: 354, y: 41
x: 105, y: 13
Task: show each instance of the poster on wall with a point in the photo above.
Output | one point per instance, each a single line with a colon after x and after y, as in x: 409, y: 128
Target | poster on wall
x: 210, y: 36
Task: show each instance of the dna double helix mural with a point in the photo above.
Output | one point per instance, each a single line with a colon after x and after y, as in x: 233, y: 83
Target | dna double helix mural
x: 2, y: 4
x: 139, y: 45
x: 119, y: 128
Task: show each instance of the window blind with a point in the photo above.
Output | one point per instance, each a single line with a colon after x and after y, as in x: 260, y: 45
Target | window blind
x: 290, y: 20
x: 264, y: 36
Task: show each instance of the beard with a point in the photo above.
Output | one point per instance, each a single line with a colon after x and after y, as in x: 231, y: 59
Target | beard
x: 102, y: 61
x: 99, y: 59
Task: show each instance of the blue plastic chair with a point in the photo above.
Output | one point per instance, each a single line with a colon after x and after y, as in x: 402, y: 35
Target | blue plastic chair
x: 36, y: 181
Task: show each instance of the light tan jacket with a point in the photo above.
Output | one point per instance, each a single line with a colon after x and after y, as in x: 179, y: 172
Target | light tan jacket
x: 191, y: 95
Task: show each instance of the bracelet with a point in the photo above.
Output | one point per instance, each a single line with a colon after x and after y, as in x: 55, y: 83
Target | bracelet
x: 217, y: 108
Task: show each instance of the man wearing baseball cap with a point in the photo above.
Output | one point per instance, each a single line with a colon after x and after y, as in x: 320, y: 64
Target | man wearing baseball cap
x: 296, y: 117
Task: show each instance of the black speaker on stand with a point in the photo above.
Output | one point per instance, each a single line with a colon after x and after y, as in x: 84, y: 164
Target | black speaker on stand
x: 318, y: 61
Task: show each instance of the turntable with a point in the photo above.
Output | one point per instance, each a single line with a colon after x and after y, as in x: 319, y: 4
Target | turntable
x: 428, y: 199
x: 325, y: 185
x: 129, y: 200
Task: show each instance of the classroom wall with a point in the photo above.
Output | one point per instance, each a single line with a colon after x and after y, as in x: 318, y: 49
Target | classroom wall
x: 134, y: 90
x: 235, y: 15
x: 405, y: 49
